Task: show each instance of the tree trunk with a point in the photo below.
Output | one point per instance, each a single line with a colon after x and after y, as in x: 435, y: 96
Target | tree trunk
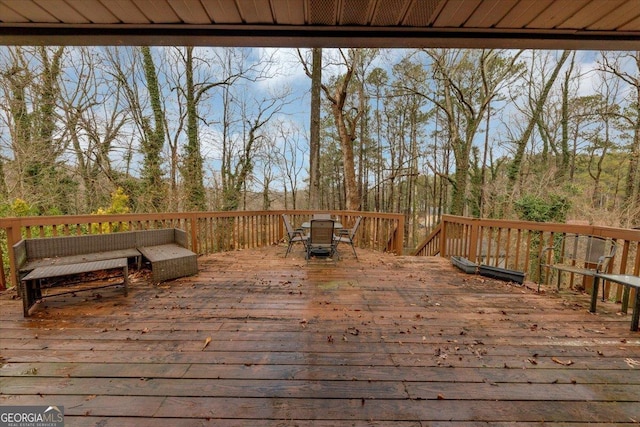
x: 352, y: 198
x: 564, y: 142
x: 4, y: 193
x: 153, y: 140
x: 314, y: 142
x: 193, y: 179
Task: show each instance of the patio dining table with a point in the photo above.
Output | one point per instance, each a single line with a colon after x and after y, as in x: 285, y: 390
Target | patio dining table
x: 307, y: 224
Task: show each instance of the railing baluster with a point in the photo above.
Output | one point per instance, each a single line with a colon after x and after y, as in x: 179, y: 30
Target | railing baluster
x: 517, y: 259
x: 507, y: 255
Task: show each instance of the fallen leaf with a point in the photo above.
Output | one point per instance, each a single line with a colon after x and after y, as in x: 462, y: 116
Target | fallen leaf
x: 632, y: 363
x: 206, y: 343
x: 562, y: 362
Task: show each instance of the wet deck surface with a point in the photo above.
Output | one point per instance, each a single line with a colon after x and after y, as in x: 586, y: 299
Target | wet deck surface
x: 259, y: 340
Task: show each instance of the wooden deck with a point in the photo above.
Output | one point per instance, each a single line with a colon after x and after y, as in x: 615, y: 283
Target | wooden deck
x: 259, y: 340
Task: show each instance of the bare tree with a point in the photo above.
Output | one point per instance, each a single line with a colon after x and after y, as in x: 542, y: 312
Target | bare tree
x: 31, y: 79
x: 94, y: 119
x: 346, y: 118
x: 290, y: 157
x: 245, y: 115
x: 467, y: 82
x: 537, y: 108
x: 137, y: 76
x: 198, y: 81
x: 614, y: 63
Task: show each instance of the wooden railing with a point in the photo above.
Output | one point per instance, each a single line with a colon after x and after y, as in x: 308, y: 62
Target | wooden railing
x: 517, y: 245
x: 431, y: 244
x: 209, y: 232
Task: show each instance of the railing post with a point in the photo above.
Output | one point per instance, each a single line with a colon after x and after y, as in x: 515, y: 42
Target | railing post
x: 280, y: 228
x: 399, y: 237
x: 3, y: 277
x: 443, y: 237
x: 194, y: 231
x: 13, y: 237
x: 473, y: 241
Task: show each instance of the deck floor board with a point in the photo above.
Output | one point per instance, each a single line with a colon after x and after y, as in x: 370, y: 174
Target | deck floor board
x: 257, y: 339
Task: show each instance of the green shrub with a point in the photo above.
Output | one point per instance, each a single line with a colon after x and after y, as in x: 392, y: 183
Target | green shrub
x: 553, y: 208
x: 119, y: 205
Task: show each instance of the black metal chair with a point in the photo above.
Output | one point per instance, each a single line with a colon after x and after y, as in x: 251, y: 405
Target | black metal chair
x: 346, y: 235
x: 295, y: 235
x: 321, y: 242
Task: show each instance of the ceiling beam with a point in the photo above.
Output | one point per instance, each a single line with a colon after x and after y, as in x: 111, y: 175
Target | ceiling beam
x: 312, y: 36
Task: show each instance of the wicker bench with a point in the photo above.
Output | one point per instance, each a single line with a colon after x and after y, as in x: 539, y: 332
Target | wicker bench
x: 165, y: 249
x: 578, y: 254
x: 33, y: 253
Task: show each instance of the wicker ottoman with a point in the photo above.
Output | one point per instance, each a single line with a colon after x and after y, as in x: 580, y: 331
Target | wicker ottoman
x: 170, y: 261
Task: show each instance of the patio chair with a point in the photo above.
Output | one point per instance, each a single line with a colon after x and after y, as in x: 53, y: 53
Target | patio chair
x: 295, y: 235
x: 346, y: 235
x: 321, y: 242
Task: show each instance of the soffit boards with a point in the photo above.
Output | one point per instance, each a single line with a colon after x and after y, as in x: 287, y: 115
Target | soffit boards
x: 554, y: 24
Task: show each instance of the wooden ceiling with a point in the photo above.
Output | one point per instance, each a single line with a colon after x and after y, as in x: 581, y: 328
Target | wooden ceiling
x: 550, y: 24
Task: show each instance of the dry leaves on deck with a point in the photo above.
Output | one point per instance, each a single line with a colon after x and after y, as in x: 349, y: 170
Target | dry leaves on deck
x: 562, y: 362
x: 206, y: 343
x: 632, y: 363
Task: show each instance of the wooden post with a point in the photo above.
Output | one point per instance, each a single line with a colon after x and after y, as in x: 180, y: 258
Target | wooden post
x: 473, y: 241
x: 3, y: 278
x: 398, y: 241
x: 443, y: 237
x: 280, y: 228
x: 194, y: 231
x: 13, y: 237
